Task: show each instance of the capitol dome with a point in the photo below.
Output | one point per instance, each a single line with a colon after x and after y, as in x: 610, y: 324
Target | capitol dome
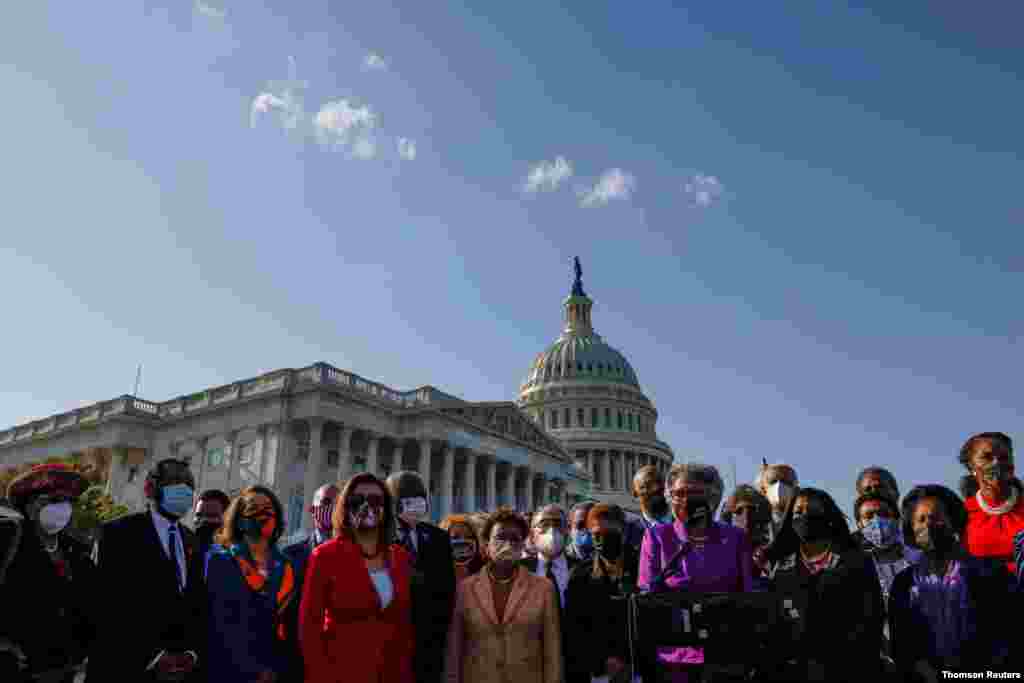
x: 586, y: 393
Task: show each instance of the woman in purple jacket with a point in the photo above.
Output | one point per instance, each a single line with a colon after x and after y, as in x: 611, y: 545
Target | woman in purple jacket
x: 694, y: 553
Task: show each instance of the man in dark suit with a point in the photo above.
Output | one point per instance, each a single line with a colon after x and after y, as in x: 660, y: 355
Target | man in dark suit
x: 320, y: 510
x: 152, y: 600
x: 548, y: 531
x: 433, y: 581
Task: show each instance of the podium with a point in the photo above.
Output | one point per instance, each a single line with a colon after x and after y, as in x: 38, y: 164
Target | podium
x: 733, y: 628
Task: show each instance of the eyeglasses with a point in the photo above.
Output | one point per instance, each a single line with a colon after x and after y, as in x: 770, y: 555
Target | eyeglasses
x: 356, y: 501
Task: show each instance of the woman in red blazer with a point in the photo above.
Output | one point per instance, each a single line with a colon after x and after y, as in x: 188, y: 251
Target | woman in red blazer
x: 355, y: 623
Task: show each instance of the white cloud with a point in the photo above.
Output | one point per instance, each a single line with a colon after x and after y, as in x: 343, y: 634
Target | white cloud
x: 345, y: 124
x: 547, y: 175
x: 374, y: 62
x: 704, y: 190
x: 406, y: 149
x: 364, y: 148
x: 282, y: 99
x: 286, y: 106
x: 210, y: 11
x: 613, y: 184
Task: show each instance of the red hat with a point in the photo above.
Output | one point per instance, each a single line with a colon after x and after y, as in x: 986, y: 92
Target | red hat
x: 53, y: 479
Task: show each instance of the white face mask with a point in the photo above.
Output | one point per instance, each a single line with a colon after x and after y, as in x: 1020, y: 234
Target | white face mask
x: 779, y: 492
x: 55, y: 517
x: 551, y: 542
x: 413, y: 510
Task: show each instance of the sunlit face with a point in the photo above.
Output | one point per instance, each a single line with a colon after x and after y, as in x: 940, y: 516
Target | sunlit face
x: 684, y: 491
x: 875, y: 508
x: 778, y: 473
x: 648, y: 484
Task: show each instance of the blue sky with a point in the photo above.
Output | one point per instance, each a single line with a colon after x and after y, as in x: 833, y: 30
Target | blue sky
x: 809, y: 245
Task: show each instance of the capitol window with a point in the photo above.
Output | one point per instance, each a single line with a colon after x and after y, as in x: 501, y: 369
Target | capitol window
x: 620, y: 419
x: 554, y: 419
x: 630, y: 421
x: 594, y: 419
x: 568, y: 418
x: 607, y: 418
x: 580, y: 418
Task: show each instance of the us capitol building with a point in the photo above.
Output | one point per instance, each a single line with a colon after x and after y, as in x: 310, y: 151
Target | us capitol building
x: 580, y: 427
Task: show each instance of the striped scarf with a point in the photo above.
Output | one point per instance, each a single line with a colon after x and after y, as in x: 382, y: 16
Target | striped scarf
x: 279, y: 581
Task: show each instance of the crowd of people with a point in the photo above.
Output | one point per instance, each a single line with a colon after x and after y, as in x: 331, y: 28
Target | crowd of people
x: 919, y: 586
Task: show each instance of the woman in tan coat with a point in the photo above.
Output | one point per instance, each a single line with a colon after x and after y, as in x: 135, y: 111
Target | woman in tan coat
x: 505, y: 627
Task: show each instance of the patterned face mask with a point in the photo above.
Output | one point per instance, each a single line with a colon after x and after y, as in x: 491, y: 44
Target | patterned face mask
x: 882, y: 532
x: 322, y: 516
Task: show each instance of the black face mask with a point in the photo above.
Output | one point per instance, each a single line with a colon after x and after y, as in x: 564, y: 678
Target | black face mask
x: 609, y: 546
x: 811, y: 528
x: 936, y: 538
x: 205, y: 532
x: 697, y: 509
x: 658, y: 506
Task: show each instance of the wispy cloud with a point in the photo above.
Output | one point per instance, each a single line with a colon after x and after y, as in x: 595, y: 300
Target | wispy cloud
x: 613, y: 184
x: 347, y: 125
x: 547, y: 175
x: 210, y: 11
x: 406, y: 149
x: 282, y: 99
x: 374, y: 62
x: 704, y: 190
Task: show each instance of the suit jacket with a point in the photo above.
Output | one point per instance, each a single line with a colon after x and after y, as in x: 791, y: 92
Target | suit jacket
x: 524, y: 647
x: 595, y: 623
x: 243, y: 635
x: 298, y: 554
x: 47, y: 615
x: 141, y: 610
x: 346, y: 637
x: 433, y: 594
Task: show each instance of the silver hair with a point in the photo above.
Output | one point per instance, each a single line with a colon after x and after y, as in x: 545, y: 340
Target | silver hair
x: 774, y: 466
x: 699, y: 473
x: 548, y: 508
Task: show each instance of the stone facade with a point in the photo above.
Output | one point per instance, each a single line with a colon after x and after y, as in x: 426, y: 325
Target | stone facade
x: 586, y: 394
x: 294, y: 430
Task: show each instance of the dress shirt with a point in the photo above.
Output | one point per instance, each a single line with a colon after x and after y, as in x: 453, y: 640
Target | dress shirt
x: 560, y: 568
x: 163, y: 526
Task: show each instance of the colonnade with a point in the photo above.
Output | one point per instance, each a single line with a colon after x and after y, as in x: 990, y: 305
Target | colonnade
x: 613, y: 469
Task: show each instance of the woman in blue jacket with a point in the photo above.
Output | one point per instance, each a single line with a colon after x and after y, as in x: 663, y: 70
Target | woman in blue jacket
x: 251, y: 585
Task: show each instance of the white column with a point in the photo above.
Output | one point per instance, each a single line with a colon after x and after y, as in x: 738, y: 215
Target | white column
x: 510, y: 487
x: 624, y: 483
x: 344, y: 453
x: 425, y: 446
x: 313, y: 465
x: 372, y: 444
x: 233, y: 467
x: 447, y: 479
x: 492, y: 486
x: 528, y: 498
x: 469, y: 483
x: 285, y: 456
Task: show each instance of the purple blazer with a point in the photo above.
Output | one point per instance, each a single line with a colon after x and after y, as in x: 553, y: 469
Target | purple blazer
x: 724, y: 565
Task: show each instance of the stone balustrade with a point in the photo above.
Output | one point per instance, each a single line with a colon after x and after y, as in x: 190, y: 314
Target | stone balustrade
x: 319, y: 373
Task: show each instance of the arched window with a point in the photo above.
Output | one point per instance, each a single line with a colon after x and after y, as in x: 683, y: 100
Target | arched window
x: 581, y: 418
x: 629, y: 420
x: 568, y: 418
x: 590, y: 367
x: 594, y: 418
x: 579, y: 366
x: 620, y: 419
x: 554, y: 419
x: 607, y: 418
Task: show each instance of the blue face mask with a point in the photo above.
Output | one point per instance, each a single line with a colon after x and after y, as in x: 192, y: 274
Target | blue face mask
x: 176, y: 500
x: 882, y: 532
x: 584, y: 543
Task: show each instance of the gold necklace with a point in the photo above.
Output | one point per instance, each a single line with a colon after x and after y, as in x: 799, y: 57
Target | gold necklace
x: 498, y: 581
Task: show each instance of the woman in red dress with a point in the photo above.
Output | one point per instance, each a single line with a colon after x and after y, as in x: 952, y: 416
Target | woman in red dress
x: 355, y: 618
x: 993, y: 497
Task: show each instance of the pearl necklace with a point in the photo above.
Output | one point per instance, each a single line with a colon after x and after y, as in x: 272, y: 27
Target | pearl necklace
x: 1002, y: 509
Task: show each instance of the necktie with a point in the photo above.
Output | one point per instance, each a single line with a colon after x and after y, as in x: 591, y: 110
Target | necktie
x: 172, y: 550
x: 407, y: 542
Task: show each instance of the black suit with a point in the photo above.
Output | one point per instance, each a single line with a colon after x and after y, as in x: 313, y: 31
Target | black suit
x: 141, y: 609
x: 433, y: 598
x: 298, y: 554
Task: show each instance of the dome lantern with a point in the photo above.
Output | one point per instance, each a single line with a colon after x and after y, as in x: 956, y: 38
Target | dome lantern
x: 577, y: 306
